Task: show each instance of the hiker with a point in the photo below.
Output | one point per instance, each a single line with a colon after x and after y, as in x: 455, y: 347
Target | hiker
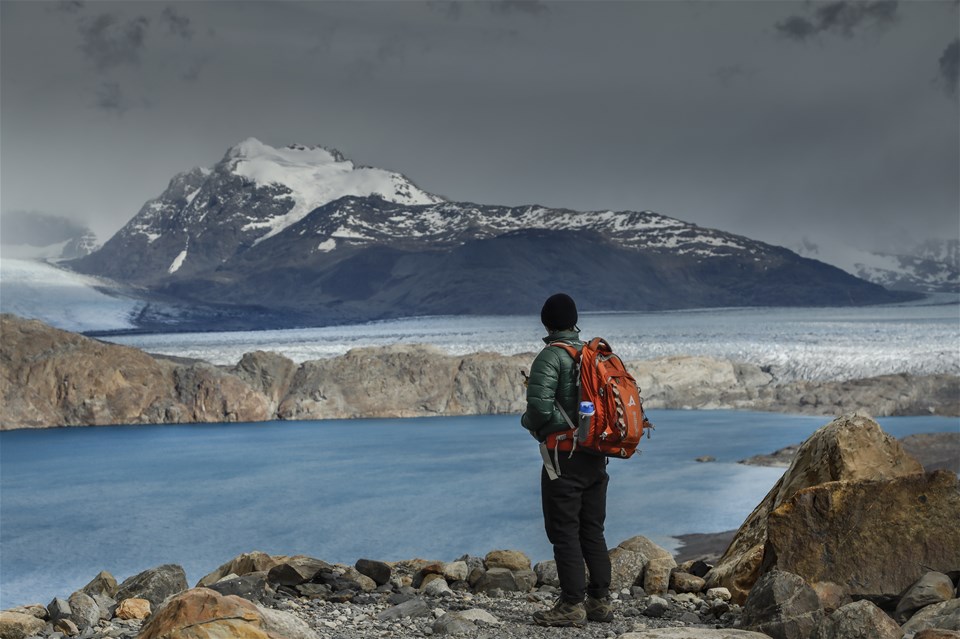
x: 574, y: 491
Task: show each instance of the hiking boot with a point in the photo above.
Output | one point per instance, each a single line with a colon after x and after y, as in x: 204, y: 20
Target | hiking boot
x: 599, y: 609
x: 563, y: 614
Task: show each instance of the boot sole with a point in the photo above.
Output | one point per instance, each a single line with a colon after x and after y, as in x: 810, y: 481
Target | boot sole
x: 560, y: 624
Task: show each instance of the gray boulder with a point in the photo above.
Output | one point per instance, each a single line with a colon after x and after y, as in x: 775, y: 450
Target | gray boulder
x: 656, y: 606
x: 526, y: 580
x: 546, y: 572
x: 103, y: 584
x: 453, y: 623
x: 945, y: 616
x: 58, y: 609
x: 376, y: 570
x: 154, y: 585
x: 497, y: 579
x: 783, y: 606
x: 296, y: 570
x: 932, y: 588
x: 84, y: 610
x: 858, y: 620
x: 253, y: 587
x: 412, y: 608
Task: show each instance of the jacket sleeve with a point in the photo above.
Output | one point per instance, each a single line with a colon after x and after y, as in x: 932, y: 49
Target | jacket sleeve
x: 541, y: 391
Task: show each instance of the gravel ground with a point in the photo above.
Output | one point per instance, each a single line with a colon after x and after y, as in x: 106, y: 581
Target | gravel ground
x: 511, y: 610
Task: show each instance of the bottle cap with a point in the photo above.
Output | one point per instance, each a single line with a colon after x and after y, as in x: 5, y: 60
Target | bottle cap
x: 587, y: 408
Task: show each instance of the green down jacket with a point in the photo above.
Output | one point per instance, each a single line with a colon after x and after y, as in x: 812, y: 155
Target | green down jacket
x: 552, y: 376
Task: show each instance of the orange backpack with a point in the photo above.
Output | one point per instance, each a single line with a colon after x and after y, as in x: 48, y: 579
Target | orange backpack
x: 619, y: 421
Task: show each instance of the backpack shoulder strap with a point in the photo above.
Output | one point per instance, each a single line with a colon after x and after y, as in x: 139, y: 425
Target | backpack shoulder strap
x: 571, y: 350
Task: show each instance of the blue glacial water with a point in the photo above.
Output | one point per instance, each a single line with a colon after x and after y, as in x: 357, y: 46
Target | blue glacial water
x: 75, y: 501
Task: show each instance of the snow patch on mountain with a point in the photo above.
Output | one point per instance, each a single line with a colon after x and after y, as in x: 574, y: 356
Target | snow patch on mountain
x: 314, y: 176
x: 177, y: 262
x: 67, y: 300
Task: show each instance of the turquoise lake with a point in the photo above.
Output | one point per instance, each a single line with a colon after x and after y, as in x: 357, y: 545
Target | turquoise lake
x: 74, y: 501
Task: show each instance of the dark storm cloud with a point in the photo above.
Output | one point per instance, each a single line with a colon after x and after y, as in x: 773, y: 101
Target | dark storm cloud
x: 110, y: 42
x: 70, y: 6
x: 950, y: 66
x: 177, y: 25
x: 842, y: 17
x: 110, y: 97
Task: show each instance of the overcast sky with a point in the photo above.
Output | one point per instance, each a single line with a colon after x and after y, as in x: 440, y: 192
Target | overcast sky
x: 776, y: 120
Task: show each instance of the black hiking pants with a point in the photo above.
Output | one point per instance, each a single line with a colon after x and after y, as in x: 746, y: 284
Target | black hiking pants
x: 574, y: 509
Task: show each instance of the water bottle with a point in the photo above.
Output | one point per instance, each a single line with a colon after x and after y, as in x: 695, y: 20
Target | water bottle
x: 587, y: 410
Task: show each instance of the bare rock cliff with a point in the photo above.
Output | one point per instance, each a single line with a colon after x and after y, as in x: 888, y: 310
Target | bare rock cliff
x: 50, y: 377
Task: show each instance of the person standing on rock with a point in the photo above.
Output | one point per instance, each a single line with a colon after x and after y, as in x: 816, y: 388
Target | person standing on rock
x: 575, y: 498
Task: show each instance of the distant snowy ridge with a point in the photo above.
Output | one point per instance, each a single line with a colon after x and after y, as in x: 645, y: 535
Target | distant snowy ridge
x: 932, y: 266
x: 354, y: 221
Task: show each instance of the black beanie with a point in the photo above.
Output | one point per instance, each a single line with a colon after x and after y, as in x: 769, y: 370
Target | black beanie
x: 559, y: 312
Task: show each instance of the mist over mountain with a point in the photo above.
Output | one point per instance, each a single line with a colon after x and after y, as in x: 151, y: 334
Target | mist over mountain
x: 932, y: 266
x: 301, y: 235
x: 31, y: 234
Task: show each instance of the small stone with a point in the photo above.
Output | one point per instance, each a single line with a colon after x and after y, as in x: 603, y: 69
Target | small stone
x: 437, y: 588
x: 478, y: 615
x: 67, y: 627
x: 656, y: 607
x: 526, y: 580
x: 297, y: 570
x: 509, y: 559
x: 133, y: 608
x: 455, y: 571
x: 411, y: 608
x: 690, y: 618
x: 685, y: 582
x: 719, y: 593
x: 656, y: 575
x: 546, y: 572
x: 453, y: 623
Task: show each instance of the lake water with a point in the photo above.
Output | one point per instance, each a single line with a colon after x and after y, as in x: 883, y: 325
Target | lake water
x: 75, y: 501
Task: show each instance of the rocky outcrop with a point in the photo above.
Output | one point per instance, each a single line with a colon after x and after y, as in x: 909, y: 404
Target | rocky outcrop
x: 50, y: 377
x: 850, y: 448
x: 873, y: 537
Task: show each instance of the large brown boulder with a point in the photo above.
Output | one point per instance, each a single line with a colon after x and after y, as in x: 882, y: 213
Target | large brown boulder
x: 850, y: 448
x: 201, y: 613
x: 875, y: 538
x: 858, y: 619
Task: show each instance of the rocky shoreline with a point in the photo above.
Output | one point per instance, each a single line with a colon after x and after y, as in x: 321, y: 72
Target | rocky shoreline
x: 51, y: 377
x: 854, y: 541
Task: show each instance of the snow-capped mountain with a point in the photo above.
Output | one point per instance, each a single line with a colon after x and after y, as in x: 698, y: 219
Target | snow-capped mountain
x: 207, y: 215
x: 932, y: 266
x: 305, y: 230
